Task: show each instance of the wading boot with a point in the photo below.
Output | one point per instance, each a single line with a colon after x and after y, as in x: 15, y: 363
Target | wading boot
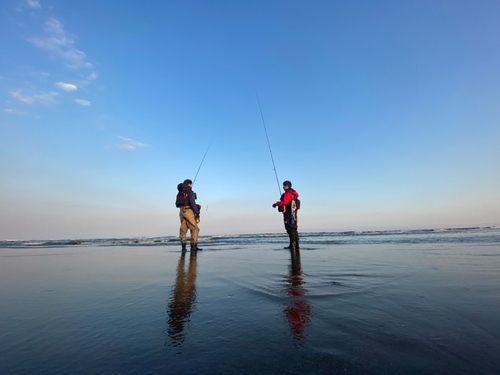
x: 194, y: 247
x: 183, y: 244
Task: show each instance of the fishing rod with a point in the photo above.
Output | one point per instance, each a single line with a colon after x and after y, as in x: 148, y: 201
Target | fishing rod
x: 202, y: 161
x: 268, y: 143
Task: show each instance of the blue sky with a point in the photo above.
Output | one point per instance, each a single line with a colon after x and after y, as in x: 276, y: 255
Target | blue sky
x: 383, y: 114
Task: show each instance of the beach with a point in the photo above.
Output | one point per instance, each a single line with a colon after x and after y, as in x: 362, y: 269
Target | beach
x: 246, y: 305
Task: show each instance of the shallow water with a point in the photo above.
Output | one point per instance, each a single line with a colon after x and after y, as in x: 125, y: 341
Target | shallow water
x: 377, y: 308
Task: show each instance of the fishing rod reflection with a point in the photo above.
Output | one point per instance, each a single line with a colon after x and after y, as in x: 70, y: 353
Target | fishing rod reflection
x: 182, y: 299
x: 298, y: 310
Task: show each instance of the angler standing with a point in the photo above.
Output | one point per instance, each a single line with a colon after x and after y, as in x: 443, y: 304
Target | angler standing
x: 289, y: 204
x: 189, y: 213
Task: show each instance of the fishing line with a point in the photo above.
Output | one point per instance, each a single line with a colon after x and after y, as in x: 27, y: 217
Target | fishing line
x: 268, y: 143
x: 202, y: 161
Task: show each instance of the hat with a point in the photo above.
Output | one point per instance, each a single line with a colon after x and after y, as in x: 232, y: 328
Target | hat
x: 287, y: 183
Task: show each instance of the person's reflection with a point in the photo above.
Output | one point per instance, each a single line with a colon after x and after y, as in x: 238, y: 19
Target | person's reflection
x: 298, y: 311
x: 182, y: 299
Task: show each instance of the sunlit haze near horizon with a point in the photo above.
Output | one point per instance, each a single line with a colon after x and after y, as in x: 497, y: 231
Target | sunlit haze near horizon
x: 383, y: 114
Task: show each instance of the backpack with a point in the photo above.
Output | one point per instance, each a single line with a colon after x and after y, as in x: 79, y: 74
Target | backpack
x: 297, y: 202
x: 181, y: 199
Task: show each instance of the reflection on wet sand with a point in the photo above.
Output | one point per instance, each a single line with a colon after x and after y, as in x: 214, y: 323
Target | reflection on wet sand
x: 298, y: 310
x: 182, y: 299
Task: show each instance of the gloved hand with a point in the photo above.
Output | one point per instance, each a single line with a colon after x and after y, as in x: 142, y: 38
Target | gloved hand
x: 274, y: 205
x: 199, y: 207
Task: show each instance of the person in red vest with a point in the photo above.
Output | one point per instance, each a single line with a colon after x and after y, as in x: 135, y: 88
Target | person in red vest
x: 288, y: 205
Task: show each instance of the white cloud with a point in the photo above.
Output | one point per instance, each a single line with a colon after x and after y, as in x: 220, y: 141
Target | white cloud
x: 24, y: 99
x: 66, y: 86
x: 46, y: 98
x: 53, y: 27
x: 82, y: 102
x: 60, y: 44
x: 130, y: 144
x: 34, y: 4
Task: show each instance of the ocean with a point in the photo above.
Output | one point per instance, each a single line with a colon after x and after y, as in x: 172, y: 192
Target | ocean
x: 378, y: 302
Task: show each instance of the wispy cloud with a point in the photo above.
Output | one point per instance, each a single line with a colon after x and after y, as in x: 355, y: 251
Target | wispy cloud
x: 46, y: 98
x: 130, y: 144
x: 66, y: 86
x: 56, y: 40
x: 12, y: 111
x: 82, y: 102
x: 34, y: 4
x: 22, y: 98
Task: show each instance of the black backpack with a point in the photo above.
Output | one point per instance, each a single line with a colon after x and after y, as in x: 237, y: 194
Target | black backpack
x: 182, y: 199
x: 297, y: 203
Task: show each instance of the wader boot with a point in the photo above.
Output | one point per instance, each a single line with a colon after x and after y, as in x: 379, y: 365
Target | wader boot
x: 293, y: 245
x: 194, y: 247
x: 183, y: 244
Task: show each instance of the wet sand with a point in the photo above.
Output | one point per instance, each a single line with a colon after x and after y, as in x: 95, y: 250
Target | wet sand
x: 359, y: 309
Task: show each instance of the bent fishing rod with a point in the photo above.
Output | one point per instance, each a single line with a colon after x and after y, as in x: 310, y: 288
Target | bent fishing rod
x: 268, y: 143
x: 202, y: 161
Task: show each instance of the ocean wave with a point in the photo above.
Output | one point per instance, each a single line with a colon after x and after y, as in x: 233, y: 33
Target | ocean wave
x: 432, y: 235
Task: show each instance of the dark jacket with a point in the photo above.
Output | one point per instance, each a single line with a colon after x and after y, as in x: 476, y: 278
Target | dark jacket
x: 191, y: 199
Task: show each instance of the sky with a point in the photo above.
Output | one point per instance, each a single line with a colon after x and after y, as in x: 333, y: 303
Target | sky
x: 383, y: 114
